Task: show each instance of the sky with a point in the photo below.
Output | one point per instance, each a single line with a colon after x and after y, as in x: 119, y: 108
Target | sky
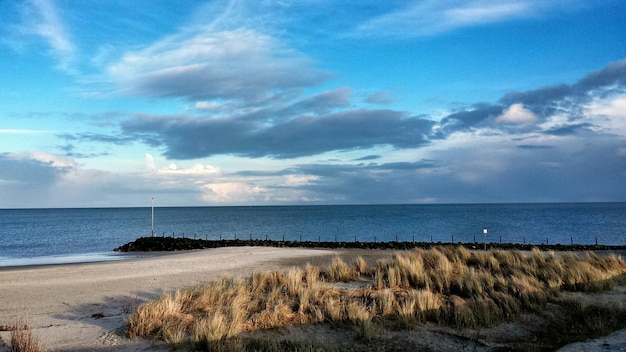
x: 273, y: 102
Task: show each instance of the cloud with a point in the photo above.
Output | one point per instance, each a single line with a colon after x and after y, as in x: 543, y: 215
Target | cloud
x: 614, y: 74
x: 150, y: 162
x: 466, y: 119
x: 381, y: 97
x: 534, y: 147
x: 22, y: 131
x: 516, y: 114
x: 576, y: 102
x: 608, y: 113
x: 327, y: 122
x: 240, y: 64
x: 299, y: 180
x: 41, y: 18
x: 546, y: 100
x: 53, y: 160
x: 231, y: 192
x: 207, y: 105
x: 369, y: 157
x: 570, y: 129
x: 321, y: 103
x: 609, y: 107
x: 191, y: 138
x: 432, y: 17
x: 196, y: 170
x: 30, y: 169
x: 558, y: 143
x: 28, y: 179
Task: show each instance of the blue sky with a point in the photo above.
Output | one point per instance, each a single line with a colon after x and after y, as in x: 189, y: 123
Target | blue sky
x: 111, y: 103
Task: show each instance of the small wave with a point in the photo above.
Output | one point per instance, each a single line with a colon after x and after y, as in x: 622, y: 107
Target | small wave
x: 64, y: 259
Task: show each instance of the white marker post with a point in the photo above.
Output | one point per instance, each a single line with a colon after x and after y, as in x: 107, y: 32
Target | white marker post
x: 152, y: 217
x: 485, y: 233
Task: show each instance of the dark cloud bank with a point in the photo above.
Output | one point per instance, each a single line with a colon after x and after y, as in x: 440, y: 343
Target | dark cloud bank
x: 570, y: 161
x: 307, y: 128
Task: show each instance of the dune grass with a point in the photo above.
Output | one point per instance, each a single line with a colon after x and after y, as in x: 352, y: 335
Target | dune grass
x: 450, y: 286
x: 22, y: 337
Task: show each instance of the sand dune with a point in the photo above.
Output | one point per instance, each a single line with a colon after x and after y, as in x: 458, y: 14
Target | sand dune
x: 82, y: 307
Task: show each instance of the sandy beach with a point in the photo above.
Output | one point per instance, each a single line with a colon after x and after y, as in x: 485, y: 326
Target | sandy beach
x: 82, y: 307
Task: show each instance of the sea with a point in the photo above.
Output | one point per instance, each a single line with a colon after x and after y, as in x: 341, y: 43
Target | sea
x: 56, y: 236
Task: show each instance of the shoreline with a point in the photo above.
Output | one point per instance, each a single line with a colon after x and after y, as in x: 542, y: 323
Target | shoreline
x: 148, y: 247
x: 73, y: 259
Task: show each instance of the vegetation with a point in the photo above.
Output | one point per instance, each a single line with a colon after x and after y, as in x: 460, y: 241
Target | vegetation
x: 450, y: 286
x: 22, y: 338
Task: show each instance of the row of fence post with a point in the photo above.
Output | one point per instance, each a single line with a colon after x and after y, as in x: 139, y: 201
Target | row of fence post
x: 206, y: 237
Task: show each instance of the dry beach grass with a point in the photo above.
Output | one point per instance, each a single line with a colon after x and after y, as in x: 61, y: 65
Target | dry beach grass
x: 451, y: 287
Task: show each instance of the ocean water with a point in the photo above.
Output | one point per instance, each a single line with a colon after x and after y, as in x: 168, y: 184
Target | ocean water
x: 43, y: 236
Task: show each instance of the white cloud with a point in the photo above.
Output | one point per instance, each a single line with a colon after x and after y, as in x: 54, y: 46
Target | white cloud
x: 479, y: 12
x: 21, y: 131
x: 48, y: 25
x: 150, y: 162
x: 232, y: 192
x: 610, y: 113
x: 299, y: 180
x: 209, y: 105
x: 196, y: 169
x: 45, y: 157
x: 431, y: 17
x: 201, y: 64
x: 423, y: 18
x: 516, y: 114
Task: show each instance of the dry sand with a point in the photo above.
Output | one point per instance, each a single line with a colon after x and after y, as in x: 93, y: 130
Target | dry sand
x: 82, y: 307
